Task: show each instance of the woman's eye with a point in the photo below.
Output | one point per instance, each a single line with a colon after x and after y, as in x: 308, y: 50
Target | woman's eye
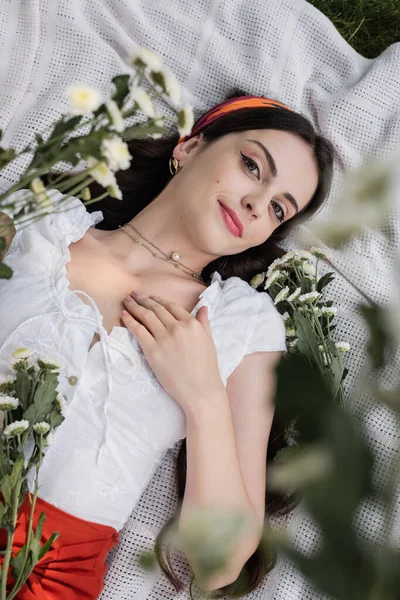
x: 282, y: 217
x: 249, y: 162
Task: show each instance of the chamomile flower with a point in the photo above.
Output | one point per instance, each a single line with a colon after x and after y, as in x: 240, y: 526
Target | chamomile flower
x: 101, y: 172
x: 116, y: 152
x: 294, y: 295
x: 342, y: 347
x: 273, y: 277
x: 309, y: 297
x: 185, y: 120
x: 49, y: 363
x: 117, y: 120
x: 16, y: 428
x: 282, y: 295
x: 143, y: 100
x: 145, y: 58
x: 8, y: 402
x: 41, y: 428
x: 329, y: 311
x: 318, y: 252
x: 83, y: 99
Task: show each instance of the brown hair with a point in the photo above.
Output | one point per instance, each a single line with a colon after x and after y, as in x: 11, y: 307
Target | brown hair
x: 140, y: 184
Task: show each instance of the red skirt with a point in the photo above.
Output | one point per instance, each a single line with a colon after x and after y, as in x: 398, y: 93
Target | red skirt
x: 74, y: 567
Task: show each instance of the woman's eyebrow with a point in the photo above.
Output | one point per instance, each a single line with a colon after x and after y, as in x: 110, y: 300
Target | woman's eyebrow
x: 274, y: 171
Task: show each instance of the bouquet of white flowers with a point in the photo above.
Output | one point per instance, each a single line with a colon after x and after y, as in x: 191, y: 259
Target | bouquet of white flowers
x: 32, y: 410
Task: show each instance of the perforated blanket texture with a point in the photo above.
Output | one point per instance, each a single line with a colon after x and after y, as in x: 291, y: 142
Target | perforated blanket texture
x: 284, y: 49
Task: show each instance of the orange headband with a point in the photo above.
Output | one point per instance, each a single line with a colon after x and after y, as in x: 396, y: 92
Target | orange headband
x: 229, y: 106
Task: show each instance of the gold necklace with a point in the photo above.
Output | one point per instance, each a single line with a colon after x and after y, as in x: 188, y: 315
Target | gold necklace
x: 173, y: 259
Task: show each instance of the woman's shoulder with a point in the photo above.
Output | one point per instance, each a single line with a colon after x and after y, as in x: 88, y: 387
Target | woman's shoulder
x: 62, y: 220
x: 249, y: 315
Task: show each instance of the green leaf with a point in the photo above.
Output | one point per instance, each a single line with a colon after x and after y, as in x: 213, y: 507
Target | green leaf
x: 23, y: 386
x: 64, y: 126
x: 121, y: 83
x: 17, y: 562
x: 380, y: 337
x: 5, y: 271
x: 43, y: 399
x: 306, y: 285
x: 2, y: 510
x: 308, y: 340
x: 6, y: 489
x: 39, y: 526
x: 34, y: 551
x: 324, y: 281
x: 16, y: 471
x: 56, y: 418
x: 47, y: 545
x: 137, y: 131
x: 6, y: 156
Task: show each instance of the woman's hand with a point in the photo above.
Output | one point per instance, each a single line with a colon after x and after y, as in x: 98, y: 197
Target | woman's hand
x: 178, y: 347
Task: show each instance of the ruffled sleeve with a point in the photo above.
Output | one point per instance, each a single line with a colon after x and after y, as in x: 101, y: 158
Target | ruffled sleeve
x: 269, y: 330
x: 65, y: 222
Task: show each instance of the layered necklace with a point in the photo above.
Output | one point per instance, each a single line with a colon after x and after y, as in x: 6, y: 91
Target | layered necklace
x: 173, y: 258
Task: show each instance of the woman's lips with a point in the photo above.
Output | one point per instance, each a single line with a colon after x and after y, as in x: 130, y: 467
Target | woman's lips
x: 229, y: 222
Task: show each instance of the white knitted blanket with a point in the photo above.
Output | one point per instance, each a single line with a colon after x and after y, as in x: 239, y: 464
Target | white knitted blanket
x: 283, y: 48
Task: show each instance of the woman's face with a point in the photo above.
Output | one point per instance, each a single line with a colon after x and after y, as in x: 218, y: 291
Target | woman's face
x: 250, y: 172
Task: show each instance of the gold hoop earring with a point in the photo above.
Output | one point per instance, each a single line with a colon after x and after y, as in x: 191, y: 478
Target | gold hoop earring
x: 173, y: 163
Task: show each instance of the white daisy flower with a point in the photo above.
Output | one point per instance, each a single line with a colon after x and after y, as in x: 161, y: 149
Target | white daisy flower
x: 22, y: 353
x: 60, y: 403
x: 286, y: 317
x: 329, y: 311
x: 48, y: 440
x: 143, y: 57
x: 41, y: 428
x: 83, y: 99
x: 159, y: 121
x: 116, y: 152
x: 293, y: 343
x: 185, y: 120
x: 8, y: 402
x: 43, y: 202
x: 49, y: 363
x: 114, y: 192
x: 318, y: 252
x: 115, y: 115
x: 290, y: 332
x: 16, y: 428
x: 294, y: 295
x: 310, y: 296
x: 273, y: 277
x: 257, y: 279
x: 282, y: 295
x: 283, y: 274
x: 276, y: 263
x: 6, y: 384
x: 343, y: 347
x: 143, y: 100
x: 305, y: 254
x: 101, y: 172
x: 171, y: 86
x: 308, y: 269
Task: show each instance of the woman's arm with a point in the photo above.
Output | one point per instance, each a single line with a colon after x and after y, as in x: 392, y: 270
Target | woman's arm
x: 227, y: 439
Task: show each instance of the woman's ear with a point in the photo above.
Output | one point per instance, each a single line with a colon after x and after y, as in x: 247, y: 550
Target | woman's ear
x: 186, y: 148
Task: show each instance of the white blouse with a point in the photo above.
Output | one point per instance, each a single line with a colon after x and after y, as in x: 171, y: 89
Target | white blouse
x: 119, y: 420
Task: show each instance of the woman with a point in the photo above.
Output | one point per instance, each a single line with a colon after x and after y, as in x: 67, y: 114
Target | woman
x: 135, y: 384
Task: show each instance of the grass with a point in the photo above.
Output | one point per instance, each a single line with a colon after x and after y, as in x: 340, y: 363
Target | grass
x: 369, y: 26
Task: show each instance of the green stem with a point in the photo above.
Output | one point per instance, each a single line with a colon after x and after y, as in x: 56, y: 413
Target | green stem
x: 10, y: 539
x: 21, y: 578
